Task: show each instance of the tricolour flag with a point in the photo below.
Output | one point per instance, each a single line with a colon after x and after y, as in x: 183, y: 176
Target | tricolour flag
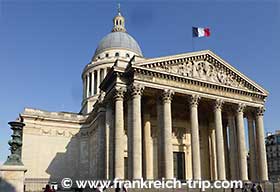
x: 200, y: 32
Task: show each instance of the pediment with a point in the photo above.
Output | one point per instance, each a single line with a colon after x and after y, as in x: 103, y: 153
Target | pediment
x: 203, y: 66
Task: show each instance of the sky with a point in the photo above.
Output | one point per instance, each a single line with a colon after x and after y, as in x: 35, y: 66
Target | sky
x: 44, y: 46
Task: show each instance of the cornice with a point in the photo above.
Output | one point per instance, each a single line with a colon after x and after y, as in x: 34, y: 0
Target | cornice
x: 53, y: 116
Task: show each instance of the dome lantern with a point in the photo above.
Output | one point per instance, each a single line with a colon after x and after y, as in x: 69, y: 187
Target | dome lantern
x: 118, y: 22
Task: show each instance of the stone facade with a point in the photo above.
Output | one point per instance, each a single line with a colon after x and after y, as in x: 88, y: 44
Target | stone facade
x: 175, y: 116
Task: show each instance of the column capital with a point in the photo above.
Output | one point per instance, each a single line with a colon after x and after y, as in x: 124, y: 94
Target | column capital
x: 218, y: 104
x: 260, y: 111
x: 194, y: 100
x: 119, y: 93
x: 136, y: 89
x: 167, y: 95
x: 240, y: 108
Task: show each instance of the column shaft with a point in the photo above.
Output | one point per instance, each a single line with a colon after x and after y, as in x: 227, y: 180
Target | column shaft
x: 148, y: 146
x: 92, y: 83
x: 108, y: 140
x: 98, y: 81
x: 196, y: 167
x: 233, y: 155
x: 252, y: 148
x: 119, y: 133
x: 225, y: 136
x: 214, y: 175
x: 129, y: 139
x: 219, y: 141
x: 101, y: 163
x: 105, y: 72
x: 262, y: 163
x: 241, y: 144
x: 167, y: 157
x: 88, y: 85
x: 136, y: 132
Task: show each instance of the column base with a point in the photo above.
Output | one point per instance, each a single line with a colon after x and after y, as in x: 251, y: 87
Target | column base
x: 12, y: 178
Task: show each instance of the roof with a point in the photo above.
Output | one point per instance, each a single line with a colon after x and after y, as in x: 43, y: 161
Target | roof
x: 118, y: 40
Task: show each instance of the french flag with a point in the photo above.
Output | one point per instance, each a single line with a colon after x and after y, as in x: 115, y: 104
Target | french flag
x: 201, y: 32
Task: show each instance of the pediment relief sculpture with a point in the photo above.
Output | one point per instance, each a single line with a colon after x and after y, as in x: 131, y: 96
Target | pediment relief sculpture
x: 202, y: 70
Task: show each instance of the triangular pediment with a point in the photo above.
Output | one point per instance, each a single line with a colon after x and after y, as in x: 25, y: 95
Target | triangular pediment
x: 202, y: 66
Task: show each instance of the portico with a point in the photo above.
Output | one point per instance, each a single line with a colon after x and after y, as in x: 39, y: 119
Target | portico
x: 168, y: 112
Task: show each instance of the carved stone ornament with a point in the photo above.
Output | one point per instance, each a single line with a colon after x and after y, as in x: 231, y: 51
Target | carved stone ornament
x: 119, y: 93
x: 136, y: 89
x: 202, y: 70
x: 260, y: 111
x: 194, y: 100
x: 218, y: 104
x: 167, y: 95
x: 240, y: 108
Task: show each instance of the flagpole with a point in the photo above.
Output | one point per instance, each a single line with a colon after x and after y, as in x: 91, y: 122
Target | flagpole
x: 192, y: 36
x: 192, y: 44
x: 192, y: 39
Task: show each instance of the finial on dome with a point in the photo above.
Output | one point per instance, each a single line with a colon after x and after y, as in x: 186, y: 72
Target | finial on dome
x: 119, y: 9
x: 118, y: 21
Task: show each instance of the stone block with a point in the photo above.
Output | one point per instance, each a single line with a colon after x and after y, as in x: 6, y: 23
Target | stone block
x: 12, y: 178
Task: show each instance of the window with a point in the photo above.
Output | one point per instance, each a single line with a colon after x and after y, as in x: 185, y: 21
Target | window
x: 117, y: 54
x: 127, y: 55
x: 107, y: 55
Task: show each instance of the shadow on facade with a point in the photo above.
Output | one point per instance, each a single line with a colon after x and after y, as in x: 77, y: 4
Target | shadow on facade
x: 6, y: 186
x: 75, y: 162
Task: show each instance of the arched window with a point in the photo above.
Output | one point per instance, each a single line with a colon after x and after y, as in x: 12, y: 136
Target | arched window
x: 127, y: 55
x: 107, y: 55
x: 117, y: 54
x: 120, y: 22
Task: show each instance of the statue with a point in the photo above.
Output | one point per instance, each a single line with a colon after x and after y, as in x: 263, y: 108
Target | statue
x: 16, y: 142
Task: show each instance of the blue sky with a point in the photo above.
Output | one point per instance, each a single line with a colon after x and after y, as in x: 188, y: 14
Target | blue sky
x: 44, y: 46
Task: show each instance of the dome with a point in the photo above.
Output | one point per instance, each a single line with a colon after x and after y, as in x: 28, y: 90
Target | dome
x: 118, y: 40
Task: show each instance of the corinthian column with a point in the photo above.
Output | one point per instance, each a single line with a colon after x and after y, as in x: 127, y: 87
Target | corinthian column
x: 98, y: 81
x: 252, y: 147
x: 196, y: 168
x: 233, y: 155
x: 147, y: 145
x: 262, y: 163
x: 119, y: 132
x: 242, y: 156
x: 101, y: 132
x: 109, y: 141
x: 166, y: 142
x: 136, y: 132
x: 219, y: 140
